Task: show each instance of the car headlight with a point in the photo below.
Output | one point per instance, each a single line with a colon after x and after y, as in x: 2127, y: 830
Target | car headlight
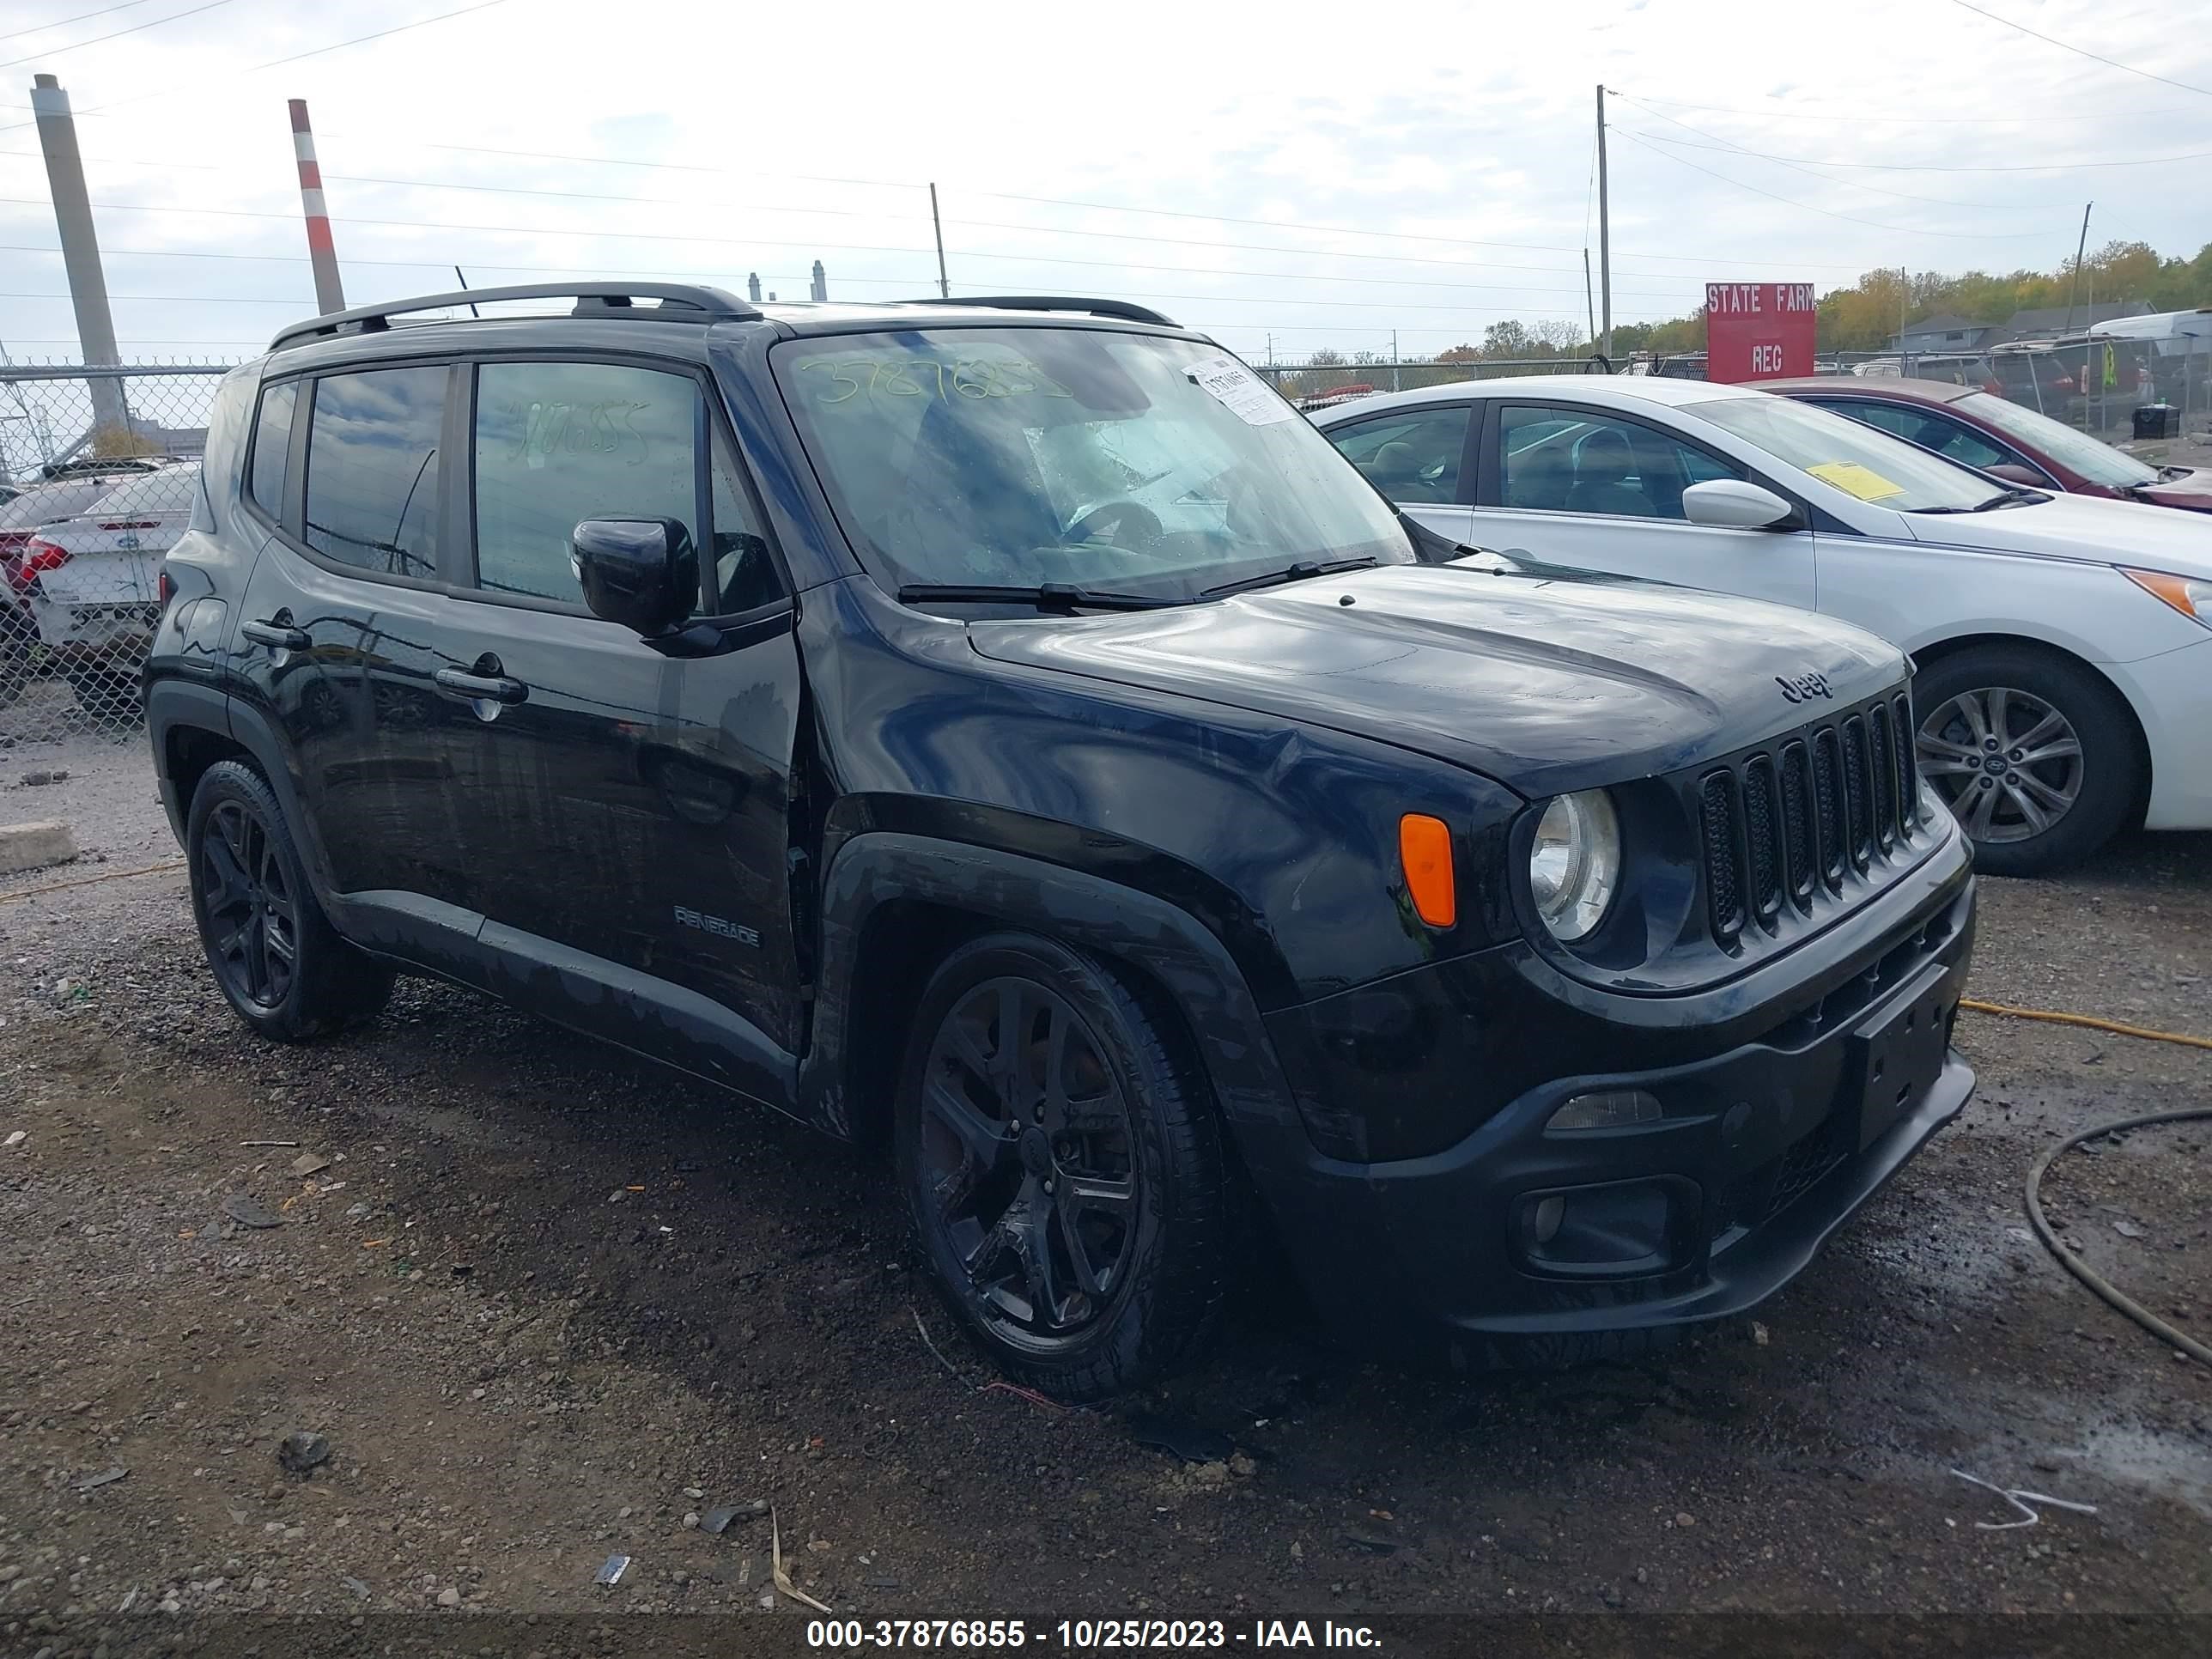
x: 1574, y: 867
x: 2191, y: 596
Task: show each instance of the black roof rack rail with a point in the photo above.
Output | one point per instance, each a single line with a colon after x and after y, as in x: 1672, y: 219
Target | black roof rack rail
x: 680, y: 302
x: 1121, y: 308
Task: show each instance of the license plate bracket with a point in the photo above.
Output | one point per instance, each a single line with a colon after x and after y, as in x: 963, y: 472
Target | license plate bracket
x: 1896, y: 1057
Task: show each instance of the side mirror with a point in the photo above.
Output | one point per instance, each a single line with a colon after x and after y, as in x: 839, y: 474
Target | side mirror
x: 640, y: 573
x: 1734, y: 504
x: 2013, y: 473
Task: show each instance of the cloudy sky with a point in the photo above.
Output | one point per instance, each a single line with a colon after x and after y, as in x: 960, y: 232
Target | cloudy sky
x: 1291, y: 175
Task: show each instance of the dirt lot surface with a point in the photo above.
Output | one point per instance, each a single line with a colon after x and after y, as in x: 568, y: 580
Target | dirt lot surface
x: 550, y: 1305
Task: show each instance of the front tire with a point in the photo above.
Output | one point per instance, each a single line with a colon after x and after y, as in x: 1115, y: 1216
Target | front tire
x: 279, y: 962
x: 1064, y: 1169
x: 2037, y: 757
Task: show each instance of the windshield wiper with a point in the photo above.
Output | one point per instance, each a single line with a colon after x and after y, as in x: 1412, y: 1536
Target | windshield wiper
x: 1294, y: 573
x: 2013, y: 497
x: 1045, y: 596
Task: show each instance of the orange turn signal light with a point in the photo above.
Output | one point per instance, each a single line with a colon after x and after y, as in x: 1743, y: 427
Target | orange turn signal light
x: 1424, y: 851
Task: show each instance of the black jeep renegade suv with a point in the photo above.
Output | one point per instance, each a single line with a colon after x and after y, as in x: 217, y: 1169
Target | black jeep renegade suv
x: 1003, y: 729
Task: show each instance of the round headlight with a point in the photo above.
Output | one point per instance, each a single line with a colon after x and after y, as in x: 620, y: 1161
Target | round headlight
x: 1574, y: 867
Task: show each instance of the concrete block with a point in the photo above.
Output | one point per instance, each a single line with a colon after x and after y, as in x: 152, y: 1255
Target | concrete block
x: 34, y: 845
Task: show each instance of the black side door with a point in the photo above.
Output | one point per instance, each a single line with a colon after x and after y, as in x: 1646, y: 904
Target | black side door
x: 628, y: 817
x: 336, y: 643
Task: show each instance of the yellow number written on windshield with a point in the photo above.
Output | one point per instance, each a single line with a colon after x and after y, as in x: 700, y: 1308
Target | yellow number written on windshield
x: 903, y: 375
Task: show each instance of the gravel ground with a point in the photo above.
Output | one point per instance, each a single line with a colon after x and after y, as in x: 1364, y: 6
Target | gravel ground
x: 549, y: 1304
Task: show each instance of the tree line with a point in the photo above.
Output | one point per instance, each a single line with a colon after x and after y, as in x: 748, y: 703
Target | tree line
x: 1863, y: 317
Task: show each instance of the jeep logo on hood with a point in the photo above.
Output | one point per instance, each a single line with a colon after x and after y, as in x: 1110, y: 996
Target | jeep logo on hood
x: 1803, y: 687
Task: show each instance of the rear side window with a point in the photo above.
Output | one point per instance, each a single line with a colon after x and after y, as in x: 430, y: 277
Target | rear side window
x: 223, y: 473
x: 1409, y: 457
x: 372, y: 469
x: 273, y: 443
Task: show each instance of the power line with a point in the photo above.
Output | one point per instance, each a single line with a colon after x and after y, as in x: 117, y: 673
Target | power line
x: 2083, y: 52
x: 903, y: 283
x: 1856, y: 119
x: 666, y: 274
x: 278, y: 63
x: 1902, y: 166
x: 56, y: 52
x: 1039, y: 230
x: 1896, y: 230
x: 60, y: 23
x: 1794, y: 167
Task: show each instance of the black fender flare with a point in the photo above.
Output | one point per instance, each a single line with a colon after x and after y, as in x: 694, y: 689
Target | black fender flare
x: 1167, y: 944
x: 170, y: 703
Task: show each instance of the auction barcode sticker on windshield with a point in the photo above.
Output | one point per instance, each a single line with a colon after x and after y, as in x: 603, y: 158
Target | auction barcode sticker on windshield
x: 1241, y: 391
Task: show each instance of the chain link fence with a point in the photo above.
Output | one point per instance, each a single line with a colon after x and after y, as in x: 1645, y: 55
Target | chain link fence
x: 1318, y: 383
x: 98, y: 470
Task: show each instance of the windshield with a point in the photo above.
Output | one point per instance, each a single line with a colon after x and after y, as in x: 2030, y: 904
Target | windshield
x: 1856, y: 459
x: 1113, y: 461
x: 2099, y: 463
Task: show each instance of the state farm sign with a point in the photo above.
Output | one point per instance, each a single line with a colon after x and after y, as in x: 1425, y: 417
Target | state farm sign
x: 1759, y: 331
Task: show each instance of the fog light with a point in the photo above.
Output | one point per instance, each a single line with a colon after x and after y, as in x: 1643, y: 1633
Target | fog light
x: 1544, y: 1225
x: 1621, y: 1229
x: 1608, y: 1108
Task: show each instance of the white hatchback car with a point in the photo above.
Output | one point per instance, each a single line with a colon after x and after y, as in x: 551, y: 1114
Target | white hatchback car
x: 2063, y: 644
x: 91, y: 582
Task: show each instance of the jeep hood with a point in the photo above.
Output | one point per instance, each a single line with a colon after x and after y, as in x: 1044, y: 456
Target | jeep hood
x: 1543, y: 683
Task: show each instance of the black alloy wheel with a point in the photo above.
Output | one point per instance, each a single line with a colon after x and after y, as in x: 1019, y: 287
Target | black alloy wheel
x: 1066, y: 1170
x: 280, y: 964
x: 1027, y: 1146
x: 252, y: 920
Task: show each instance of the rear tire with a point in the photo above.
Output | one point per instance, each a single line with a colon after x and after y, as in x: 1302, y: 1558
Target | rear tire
x: 2037, y: 756
x: 1063, y: 1168
x: 279, y: 962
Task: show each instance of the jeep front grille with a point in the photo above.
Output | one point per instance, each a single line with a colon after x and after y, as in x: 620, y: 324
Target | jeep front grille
x: 1785, y: 826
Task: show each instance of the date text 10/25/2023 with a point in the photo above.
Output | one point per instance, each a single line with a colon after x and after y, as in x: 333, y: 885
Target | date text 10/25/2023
x: 1086, y: 1635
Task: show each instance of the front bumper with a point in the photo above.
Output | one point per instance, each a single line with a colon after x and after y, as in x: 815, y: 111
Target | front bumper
x: 2171, y: 696
x: 1767, y: 1143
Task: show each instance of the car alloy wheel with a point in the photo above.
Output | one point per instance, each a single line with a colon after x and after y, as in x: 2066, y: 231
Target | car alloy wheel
x: 1030, y: 1161
x: 252, y: 917
x: 2008, y: 763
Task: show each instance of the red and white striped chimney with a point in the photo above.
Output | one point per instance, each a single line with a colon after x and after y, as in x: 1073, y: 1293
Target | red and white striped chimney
x: 322, y: 252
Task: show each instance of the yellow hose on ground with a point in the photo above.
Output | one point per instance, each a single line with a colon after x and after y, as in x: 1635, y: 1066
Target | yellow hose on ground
x: 2088, y: 1020
x: 87, y: 881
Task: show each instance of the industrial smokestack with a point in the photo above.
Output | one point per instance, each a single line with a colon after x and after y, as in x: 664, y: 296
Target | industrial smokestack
x: 95, y: 326
x: 322, y: 252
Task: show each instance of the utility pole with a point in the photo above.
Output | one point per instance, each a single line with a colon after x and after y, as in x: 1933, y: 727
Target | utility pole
x: 1589, y: 304
x: 322, y: 252
x: 2081, y: 248
x: 943, y: 287
x: 95, y: 326
x: 818, y: 289
x: 1904, y: 301
x: 1604, y: 233
x: 1393, y: 360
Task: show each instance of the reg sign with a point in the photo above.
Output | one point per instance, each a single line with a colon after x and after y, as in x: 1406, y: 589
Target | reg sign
x: 1759, y: 331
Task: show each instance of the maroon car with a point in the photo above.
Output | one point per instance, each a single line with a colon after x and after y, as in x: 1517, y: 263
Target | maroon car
x: 2007, y: 440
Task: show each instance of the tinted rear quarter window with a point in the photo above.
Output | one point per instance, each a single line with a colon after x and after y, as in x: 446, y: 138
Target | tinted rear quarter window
x: 272, y: 441
x: 372, y: 469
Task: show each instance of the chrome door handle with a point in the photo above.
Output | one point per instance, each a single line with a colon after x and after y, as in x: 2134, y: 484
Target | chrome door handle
x: 469, y: 688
